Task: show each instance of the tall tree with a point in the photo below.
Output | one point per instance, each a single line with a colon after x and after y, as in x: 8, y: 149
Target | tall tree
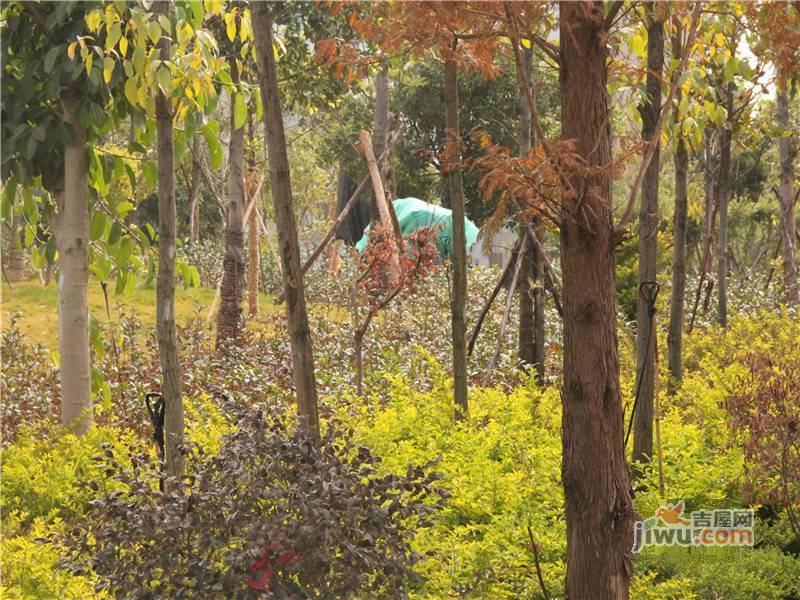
x: 723, y: 191
x: 281, y: 189
x: 193, y: 185
x: 230, y: 309
x: 679, y: 221
x: 253, y: 247
x: 597, y: 490
x: 786, y: 195
x: 458, y: 256
x: 165, y: 284
x: 529, y: 342
x: 72, y: 239
x: 650, y: 111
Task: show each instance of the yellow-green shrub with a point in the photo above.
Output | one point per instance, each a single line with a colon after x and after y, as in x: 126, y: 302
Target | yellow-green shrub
x: 44, y: 468
x: 30, y: 568
x: 502, y: 467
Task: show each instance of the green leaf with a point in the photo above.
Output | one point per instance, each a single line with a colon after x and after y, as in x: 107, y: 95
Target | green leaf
x: 225, y: 78
x: 50, y: 58
x: 124, y: 207
x: 131, y: 176
x: 150, y: 171
x: 9, y: 193
x: 115, y: 233
x: 154, y: 31
x: 96, y: 339
x: 114, y: 34
x: 239, y: 111
x: 102, y: 267
x: 139, y: 58
x: 125, y: 251
x: 731, y: 68
x: 164, y: 80
x: 214, y: 148
x: 97, y: 225
x: 259, y: 105
x: 130, y: 91
x: 122, y: 281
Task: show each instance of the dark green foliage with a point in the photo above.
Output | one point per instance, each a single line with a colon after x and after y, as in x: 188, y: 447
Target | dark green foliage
x: 270, y: 511
x: 36, y: 73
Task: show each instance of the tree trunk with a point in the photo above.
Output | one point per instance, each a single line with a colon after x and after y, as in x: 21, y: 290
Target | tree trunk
x: 527, y: 335
x: 72, y: 240
x: 723, y: 189
x: 380, y: 128
x: 253, y: 255
x: 194, y: 194
x: 786, y: 195
x: 597, y: 489
x: 679, y: 219
x: 165, y: 285
x: 13, y: 256
x: 458, y: 257
x: 253, y: 231
x: 648, y: 239
x: 281, y: 189
x: 230, y: 308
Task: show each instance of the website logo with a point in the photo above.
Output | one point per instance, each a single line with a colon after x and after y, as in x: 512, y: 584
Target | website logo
x: 670, y: 527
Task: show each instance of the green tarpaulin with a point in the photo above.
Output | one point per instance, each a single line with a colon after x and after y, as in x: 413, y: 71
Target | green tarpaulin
x: 414, y: 214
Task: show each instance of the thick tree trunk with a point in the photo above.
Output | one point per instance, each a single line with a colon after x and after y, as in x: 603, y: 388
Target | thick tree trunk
x: 648, y: 239
x: 786, y: 195
x: 281, y: 188
x: 597, y: 489
x: 458, y: 256
x: 230, y: 308
x: 72, y: 240
x: 194, y: 194
x: 679, y: 219
x: 723, y: 190
x: 165, y: 284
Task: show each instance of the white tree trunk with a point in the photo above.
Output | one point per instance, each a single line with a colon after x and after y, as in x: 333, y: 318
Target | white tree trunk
x: 72, y: 240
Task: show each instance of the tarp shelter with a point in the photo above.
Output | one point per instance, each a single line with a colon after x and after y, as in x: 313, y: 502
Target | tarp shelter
x: 414, y: 214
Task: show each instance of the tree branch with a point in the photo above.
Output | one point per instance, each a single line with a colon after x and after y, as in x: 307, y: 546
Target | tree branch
x: 652, y: 143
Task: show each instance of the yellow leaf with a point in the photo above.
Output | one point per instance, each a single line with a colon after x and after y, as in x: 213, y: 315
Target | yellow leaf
x: 123, y: 46
x: 275, y: 51
x: 71, y: 50
x: 108, y: 69
x: 130, y: 91
x: 719, y: 39
x: 230, y: 26
x: 93, y: 20
x: 526, y: 42
x: 89, y: 58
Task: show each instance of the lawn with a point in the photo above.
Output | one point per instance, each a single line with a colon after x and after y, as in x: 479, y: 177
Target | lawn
x: 37, y: 306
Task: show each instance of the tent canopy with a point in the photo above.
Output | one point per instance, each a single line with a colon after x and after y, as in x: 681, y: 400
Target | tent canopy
x: 414, y: 214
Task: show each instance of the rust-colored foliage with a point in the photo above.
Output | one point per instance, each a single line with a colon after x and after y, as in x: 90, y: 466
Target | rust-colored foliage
x: 766, y: 413
x: 417, y: 261
x: 777, y: 34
